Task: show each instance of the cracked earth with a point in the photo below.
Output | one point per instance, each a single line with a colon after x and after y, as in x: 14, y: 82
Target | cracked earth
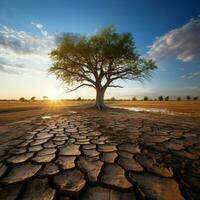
x: 92, y: 155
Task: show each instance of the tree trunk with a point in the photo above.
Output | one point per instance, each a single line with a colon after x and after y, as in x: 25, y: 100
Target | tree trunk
x: 100, y: 91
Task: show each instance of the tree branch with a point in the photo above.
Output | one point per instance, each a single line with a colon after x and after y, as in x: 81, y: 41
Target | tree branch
x: 75, y: 73
x: 84, y: 84
x: 115, y: 86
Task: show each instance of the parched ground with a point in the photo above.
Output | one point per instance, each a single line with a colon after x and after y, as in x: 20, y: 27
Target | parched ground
x: 91, y: 155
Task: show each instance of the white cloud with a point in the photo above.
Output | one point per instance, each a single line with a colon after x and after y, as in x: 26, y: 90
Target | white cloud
x: 19, y: 50
x: 39, y: 26
x: 191, y: 75
x: 183, y: 43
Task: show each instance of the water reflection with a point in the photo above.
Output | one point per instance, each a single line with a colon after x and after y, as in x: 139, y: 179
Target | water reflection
x: 154, y: 110
x: 46, y: 117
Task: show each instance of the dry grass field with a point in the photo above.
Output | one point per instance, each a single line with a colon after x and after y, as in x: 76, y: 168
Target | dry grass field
x: 190, y: 107
x: 14, y: 110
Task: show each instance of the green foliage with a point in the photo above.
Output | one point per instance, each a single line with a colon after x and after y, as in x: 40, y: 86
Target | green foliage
x: 134, y: 99
x: 188, y: 98
x: 167, y: 98
x: 99, y: 59
x: 22, y: 99
x: 195, y: 98
x: 45, y: 97
x: 33, y: 98
x: 112, y: 99
x: 146, y: 98
x: 160, y: 98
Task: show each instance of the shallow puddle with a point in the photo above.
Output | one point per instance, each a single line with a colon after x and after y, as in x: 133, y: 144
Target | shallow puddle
x: 154, y: 110
x: 46, y: 117
x: 54, y: 116
x: 72, y: 112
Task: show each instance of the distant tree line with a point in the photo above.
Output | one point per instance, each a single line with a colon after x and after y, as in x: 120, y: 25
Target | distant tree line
x: 32, y: 99
x: 167, y: 98
x: 146, y: 98
x: 160, y: 98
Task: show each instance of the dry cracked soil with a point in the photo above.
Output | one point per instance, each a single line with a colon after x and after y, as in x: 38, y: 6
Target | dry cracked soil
x: 91, y: 155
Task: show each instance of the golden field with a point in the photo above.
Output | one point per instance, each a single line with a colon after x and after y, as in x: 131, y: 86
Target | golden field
x: 15, y: 110
x: 190, y: 107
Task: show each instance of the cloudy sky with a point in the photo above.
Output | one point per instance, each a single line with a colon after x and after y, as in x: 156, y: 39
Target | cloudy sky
x: 167, y: 31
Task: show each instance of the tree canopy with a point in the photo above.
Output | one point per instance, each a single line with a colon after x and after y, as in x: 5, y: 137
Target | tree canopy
x: 99, y: 60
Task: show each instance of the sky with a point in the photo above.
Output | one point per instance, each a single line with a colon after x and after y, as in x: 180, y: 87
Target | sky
x: 167, y: 31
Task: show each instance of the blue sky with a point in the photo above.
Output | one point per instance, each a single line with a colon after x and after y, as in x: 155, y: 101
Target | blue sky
x: 168, y: 31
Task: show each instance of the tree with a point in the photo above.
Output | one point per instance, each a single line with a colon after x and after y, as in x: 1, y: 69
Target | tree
x: 45, y: 98
x: 146, y: 98
x: 112, y: 99
x: 167, y: 98
x: 99, y: 60
x: 179, y: 99
x: 22, y: 99
x: 160, y: 98
x: 33, y: 98
x: 188, y: 98
x: 195, y: 98
x: 79, y: 99
x: 134, y: 98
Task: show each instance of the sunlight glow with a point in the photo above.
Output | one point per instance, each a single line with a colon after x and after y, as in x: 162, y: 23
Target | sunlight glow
x: 54, y: 95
